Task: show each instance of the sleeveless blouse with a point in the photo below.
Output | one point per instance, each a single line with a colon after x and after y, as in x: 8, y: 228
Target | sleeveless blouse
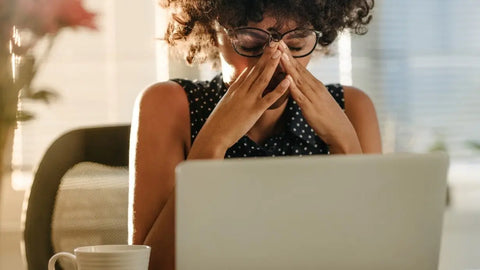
x: 296, y: 139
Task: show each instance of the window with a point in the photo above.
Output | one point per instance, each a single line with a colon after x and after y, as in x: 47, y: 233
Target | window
x: 420, y: 63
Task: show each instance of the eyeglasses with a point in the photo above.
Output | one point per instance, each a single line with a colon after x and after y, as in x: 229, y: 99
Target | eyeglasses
x: 251, y: 41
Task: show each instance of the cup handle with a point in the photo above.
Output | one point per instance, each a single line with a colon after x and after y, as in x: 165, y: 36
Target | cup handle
x: 54, y: 258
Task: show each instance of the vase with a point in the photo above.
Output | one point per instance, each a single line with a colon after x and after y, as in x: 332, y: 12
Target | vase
x: 7, y: 127
x: 10, y: 86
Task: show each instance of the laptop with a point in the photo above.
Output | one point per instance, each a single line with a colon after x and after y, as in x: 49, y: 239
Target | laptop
x: 317, y: 212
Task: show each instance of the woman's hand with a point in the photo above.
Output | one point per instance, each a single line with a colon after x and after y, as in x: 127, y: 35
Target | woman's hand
x: 240, y: 107
x: 319, y: 108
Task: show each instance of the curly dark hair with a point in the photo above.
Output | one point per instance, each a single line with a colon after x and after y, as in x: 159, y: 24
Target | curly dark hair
x: 192, y: 22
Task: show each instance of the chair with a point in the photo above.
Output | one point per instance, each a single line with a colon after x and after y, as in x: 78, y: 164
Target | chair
x: 102, y: 145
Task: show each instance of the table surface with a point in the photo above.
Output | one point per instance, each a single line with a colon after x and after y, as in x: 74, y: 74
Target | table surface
x: 460, y: 243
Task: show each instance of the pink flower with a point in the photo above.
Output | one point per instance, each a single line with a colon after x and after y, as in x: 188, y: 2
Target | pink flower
x: 49, y: 16
x: 72, y: 13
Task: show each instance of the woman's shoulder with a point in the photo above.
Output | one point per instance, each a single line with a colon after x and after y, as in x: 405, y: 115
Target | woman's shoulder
x: 180, y: 95
x: 352, y: 100
x: 347, y: 95
x: 355, y: 97
x: 360, y: 110
x: 358, y: 106
x: 163, y: 106
x: 201, y: 89
x: 163, y: 94
x: 162, y: 109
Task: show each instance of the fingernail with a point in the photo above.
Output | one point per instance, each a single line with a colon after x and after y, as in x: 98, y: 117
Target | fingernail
x: 285, y: 83
x: 283, y: 44
x: 272, y: 44
x: 285, y: 56
x: 276, y: 54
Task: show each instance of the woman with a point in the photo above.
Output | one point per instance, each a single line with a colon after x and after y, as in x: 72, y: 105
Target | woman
x: 263, y: 103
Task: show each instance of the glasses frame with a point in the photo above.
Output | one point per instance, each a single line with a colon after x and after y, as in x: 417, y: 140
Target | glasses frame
x: 278, y: 36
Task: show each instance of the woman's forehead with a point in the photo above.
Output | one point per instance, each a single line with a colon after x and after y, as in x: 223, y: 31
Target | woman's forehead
x: 269, y: 23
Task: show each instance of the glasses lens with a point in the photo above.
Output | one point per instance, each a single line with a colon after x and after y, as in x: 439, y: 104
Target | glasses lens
x: 301, y: 42
x: 250, y: 42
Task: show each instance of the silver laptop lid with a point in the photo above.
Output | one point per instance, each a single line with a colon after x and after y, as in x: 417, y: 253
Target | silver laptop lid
x: 316, y: 212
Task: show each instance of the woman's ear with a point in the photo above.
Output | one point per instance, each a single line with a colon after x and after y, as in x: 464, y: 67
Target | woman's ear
x: 217, y: 27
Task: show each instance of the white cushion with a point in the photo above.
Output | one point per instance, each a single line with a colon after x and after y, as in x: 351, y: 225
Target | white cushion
x: 91, y: 207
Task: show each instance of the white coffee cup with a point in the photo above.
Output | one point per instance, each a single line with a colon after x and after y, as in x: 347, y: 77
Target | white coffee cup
x: 107, y: 257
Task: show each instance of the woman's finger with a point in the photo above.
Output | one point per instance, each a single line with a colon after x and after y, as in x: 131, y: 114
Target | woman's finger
x: 266, y: 75
x: 269, y: 60
x: 300, y: 69
x: 303, y: 79
x: 239, y: 80
x: 297, y: 94
x: 273, y: 96
x: 289, y: 64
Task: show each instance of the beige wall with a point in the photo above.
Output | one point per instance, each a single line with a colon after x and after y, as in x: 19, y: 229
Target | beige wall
x: 10, y: 233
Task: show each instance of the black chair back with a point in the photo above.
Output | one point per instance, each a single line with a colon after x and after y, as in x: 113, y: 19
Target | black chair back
x: 104, y: 145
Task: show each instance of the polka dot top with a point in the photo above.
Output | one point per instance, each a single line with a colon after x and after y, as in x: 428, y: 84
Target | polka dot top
x: 297, y: 139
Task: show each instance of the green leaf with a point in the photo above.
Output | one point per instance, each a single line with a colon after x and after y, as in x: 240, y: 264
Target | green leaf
x: 438, y: 146
x: 45, y: 96
x: 474, y: 145
x: 24, y: 116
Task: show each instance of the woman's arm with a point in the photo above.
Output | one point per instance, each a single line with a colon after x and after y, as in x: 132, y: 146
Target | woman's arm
x: 361, y: 113
x: 159, y: 141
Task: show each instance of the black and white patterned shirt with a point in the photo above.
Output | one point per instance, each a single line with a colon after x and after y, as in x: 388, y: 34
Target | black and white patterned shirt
x: 297, y: 139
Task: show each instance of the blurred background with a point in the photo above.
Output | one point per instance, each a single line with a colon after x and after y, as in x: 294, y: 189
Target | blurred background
x: 419, y: 62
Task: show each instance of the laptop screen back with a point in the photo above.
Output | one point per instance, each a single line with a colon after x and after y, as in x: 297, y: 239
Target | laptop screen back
x: 318, y: 212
